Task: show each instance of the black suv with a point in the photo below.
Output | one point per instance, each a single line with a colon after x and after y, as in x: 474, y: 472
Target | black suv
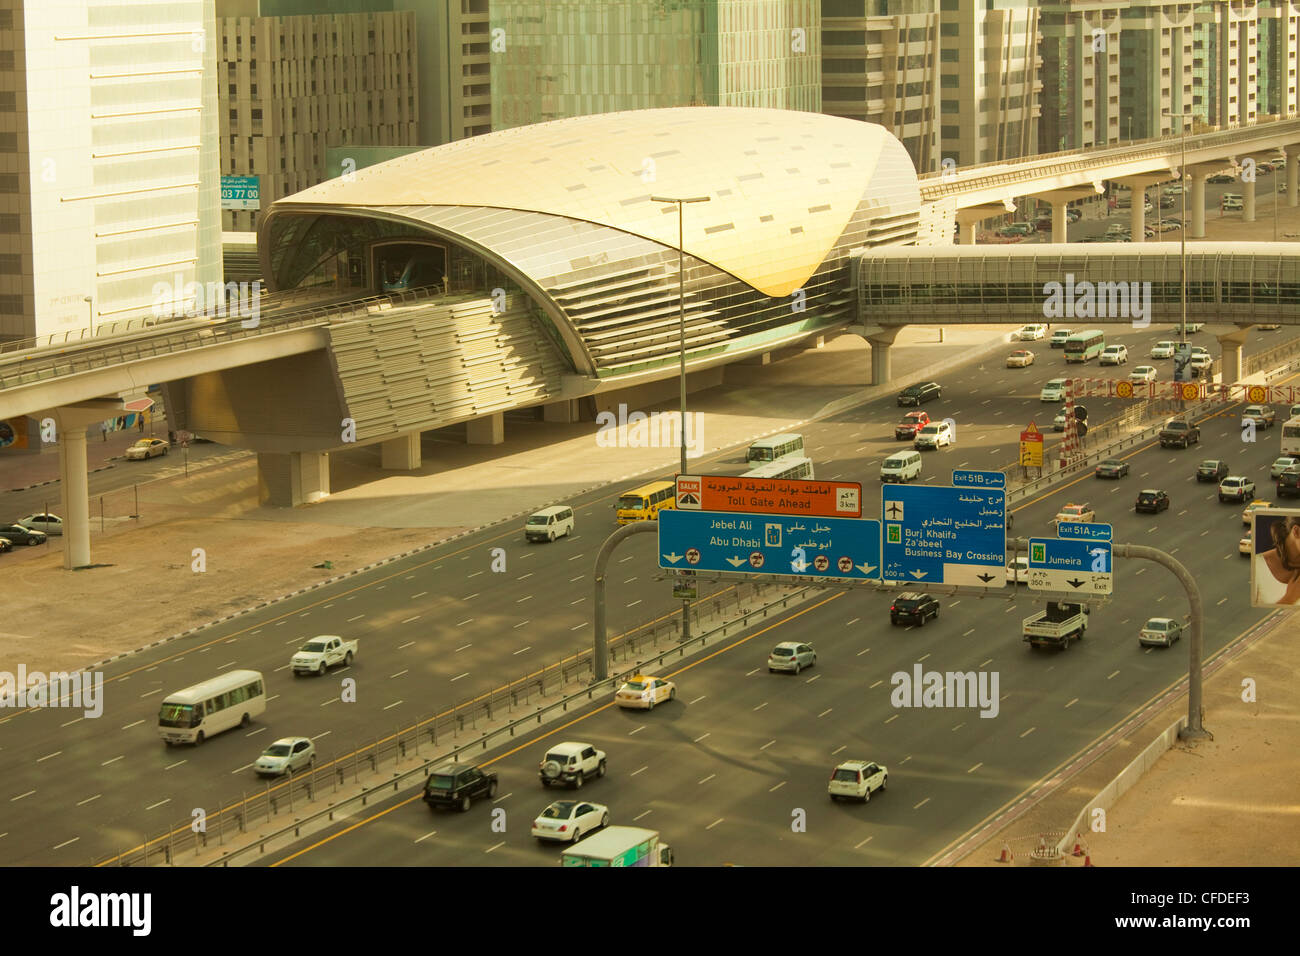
x: 919, y: 394
x: 457, y: 784
x: 1288, y: 483
x: 913, y: 607
x: 1212, y: 470
x: 1152, y: 500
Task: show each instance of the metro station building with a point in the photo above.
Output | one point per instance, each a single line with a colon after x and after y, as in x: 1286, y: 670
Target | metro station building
x: 557, y: 269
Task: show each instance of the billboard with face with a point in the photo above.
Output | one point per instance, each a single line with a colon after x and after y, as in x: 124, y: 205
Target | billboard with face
x: 1273, y: 545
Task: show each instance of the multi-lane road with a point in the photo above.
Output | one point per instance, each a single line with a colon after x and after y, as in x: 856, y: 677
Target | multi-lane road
x: 747, y: 748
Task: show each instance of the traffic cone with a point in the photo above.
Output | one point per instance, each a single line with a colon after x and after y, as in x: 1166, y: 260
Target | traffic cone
x: 1087, y: 861
x: 1007, y: 856
x: 1078, y: 850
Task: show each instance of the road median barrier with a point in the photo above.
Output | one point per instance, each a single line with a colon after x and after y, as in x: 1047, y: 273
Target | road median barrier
x: 243, y: 830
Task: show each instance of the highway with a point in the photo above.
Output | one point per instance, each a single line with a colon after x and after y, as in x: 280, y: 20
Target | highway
x: 441, y: 627
x: 724, y: 770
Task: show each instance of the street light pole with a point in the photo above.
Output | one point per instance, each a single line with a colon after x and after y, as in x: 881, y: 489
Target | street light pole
x: 1183, y: 119
x: 681, y: 308
x: 90, y: 313
x: 681, y: 338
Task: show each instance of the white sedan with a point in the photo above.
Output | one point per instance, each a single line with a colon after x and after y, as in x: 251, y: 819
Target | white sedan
x: 644, y: 692
x: 1143, y: 373
x: 568, y: 820
x: 1018, y: 571
x: 1032, y: 332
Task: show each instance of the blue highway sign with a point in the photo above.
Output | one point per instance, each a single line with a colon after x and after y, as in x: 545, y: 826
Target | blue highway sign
x: 770, y: 544
x: 1084, y: 529
x: 1070, y: 565
x: 979, y: 479
x: 937, y: 534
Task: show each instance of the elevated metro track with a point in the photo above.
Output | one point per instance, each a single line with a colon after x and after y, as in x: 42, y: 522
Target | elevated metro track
x: 1001, y: 182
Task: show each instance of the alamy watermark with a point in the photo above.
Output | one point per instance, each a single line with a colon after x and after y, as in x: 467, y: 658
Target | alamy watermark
x: 657, y: 430
x: 178, y: 298
x: 1098, y: 300
x: 123, y: 910
x: 56, y: 689
x: 946, y: 689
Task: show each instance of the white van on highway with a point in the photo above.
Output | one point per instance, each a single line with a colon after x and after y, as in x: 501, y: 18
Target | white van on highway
x: 901, y: 466
x: 549, y: 524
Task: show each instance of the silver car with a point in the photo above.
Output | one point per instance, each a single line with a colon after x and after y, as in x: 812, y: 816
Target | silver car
x: 791, y: 656
x: 1160, y: 632
x: 1279, y: 465
x: 285, y: 756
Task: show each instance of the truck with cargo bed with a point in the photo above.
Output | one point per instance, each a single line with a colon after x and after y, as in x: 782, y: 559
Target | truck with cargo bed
x: 1056, y: 626
x: 321, y: 653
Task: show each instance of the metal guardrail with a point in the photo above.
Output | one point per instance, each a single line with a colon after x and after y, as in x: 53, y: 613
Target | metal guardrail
x: 94, y: 355
x: 265, y: 300
x: 234, y: 817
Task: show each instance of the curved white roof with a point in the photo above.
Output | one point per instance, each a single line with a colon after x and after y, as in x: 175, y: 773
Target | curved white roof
x: 782, y: 185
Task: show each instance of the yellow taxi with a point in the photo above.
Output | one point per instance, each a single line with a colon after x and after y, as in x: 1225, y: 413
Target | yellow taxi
x: 644, y: 692
x: 1252, y: 508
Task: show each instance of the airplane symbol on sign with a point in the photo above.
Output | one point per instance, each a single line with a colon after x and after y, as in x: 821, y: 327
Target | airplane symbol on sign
x: 895, y: 509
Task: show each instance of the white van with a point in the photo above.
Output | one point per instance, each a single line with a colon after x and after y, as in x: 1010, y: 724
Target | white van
x: 901, y: 466
x: 549, y: 523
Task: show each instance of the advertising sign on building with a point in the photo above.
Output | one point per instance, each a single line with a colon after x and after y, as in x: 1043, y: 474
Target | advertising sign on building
x: 241, y: 192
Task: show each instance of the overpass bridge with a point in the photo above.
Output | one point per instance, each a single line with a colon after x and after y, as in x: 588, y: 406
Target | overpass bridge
x: 979, y: 192
x: 1246, y: 284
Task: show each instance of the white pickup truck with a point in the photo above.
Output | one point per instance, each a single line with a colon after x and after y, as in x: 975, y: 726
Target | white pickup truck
x: 321, y: 653
x: 1058, y: 625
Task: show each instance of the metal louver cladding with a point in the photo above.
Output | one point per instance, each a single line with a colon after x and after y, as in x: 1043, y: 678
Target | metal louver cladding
x: 436, y: 365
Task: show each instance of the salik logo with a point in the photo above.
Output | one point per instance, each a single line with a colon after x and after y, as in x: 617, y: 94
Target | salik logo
x: 689, y: 492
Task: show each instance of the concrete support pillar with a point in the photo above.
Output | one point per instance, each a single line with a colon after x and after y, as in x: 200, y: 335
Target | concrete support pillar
x: 967, y: 233
x: 292, y: 479
x: 762, y: 358
x: 1059, y: 222
x: 488, y: 430
x: 74, y: 498
x: 1248, y: 201
x: 1231, y: 362
x: 882, y: 343
x: 71, y: 422
x: 819, y: 342
x: 401, y: 453
x: 1137, y: 215
x: 1231, y: 343
x: 1292, y: 176
x: 1197, y: 205
x: 565, y: 412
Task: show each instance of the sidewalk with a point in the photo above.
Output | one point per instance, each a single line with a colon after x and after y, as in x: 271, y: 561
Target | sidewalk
x: 254, y: 555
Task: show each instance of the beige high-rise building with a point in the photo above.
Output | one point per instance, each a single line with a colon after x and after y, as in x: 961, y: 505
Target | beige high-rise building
x: 952, y: 79
x: 557, y: 58
x: 109, y: 192
x: 1119, y: 71
x: 293, y: 86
